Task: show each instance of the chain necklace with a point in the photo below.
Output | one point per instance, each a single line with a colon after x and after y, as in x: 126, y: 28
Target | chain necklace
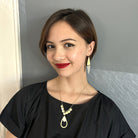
x: 64, y: 119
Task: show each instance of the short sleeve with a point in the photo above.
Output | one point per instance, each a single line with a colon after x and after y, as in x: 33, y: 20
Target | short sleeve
x: 119, y: 126
x: 12, y: 116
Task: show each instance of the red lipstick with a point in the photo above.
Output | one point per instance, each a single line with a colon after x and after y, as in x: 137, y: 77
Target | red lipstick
x: 62, y: 65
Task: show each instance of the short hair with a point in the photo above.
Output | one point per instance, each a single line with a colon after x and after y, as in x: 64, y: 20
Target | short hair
x: 77, y: 19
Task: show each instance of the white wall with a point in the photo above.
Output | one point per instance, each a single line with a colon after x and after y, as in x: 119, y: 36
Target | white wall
x: 10, y: 63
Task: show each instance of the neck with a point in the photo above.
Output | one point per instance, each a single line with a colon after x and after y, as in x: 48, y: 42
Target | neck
x: 73, y: 84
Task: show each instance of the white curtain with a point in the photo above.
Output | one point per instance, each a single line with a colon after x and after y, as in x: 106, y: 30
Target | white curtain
x: 10, y: 53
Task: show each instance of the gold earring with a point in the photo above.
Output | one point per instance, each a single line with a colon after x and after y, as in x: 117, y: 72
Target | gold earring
x: 88, y: 65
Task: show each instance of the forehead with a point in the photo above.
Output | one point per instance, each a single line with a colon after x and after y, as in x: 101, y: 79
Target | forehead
x: 62, y: 30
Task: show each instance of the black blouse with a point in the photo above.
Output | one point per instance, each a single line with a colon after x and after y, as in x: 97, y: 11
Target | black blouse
x: 34, y: 113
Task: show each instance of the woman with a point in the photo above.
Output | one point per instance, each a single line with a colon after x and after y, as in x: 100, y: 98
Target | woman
x: 66, y: 106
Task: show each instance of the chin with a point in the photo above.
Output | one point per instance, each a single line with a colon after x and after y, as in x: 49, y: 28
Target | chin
x: 68, y: 72
x: 65, y: 75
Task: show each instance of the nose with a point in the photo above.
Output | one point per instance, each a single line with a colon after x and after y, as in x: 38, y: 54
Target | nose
x: 59, y: 54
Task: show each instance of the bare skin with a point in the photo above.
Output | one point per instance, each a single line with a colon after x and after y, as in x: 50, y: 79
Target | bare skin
x: 10, y: 135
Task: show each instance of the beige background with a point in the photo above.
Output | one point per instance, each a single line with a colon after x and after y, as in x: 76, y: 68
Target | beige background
x: 10, y: 65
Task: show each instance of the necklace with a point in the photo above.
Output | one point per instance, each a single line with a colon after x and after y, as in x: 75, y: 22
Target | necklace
x: 64, y: 119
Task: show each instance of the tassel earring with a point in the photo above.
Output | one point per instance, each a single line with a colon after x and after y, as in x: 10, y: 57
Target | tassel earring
x: 88, y: 65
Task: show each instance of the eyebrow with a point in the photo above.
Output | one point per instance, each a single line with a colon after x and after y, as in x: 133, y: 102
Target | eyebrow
x: 68, y: 39
x: 49, y: 42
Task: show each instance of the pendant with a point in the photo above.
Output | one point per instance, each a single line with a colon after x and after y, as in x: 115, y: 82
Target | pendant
x: 64, y: 120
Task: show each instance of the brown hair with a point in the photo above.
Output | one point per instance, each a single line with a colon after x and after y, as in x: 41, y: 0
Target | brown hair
x: 77, y: 19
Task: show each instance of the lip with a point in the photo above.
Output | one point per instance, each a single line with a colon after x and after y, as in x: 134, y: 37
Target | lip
x: 62, y: 65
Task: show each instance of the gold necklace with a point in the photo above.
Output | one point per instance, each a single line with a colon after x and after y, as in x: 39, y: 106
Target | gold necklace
x: 64, y: 119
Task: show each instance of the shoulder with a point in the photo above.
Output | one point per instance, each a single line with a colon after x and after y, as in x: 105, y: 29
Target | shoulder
x: 104, y: 107
x: 107, y: 112
x: 107, y: 104
x: 34, y: 87
x: 30, y: 92
x: 20, y: 108
x: 112, y: 111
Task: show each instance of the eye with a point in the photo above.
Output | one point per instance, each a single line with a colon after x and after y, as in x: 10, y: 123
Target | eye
x: 68, y: 45
x: 50, y: 46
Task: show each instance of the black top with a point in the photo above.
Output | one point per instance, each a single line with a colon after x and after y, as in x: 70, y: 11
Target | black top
x: 33, y: 113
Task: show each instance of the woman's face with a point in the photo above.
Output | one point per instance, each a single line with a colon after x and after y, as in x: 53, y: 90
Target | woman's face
x: 66, y: 50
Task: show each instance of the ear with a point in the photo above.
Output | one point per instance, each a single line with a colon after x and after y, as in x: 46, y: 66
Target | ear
x: 90, y: 48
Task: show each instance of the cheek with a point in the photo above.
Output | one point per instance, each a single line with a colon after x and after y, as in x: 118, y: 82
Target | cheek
x: 48, y: 55
x: 78, y: 56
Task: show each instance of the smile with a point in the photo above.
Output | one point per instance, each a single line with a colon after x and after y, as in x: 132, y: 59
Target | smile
x: 62, y: 65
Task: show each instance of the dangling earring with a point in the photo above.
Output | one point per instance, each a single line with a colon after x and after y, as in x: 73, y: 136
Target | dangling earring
x: 88, y: 65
